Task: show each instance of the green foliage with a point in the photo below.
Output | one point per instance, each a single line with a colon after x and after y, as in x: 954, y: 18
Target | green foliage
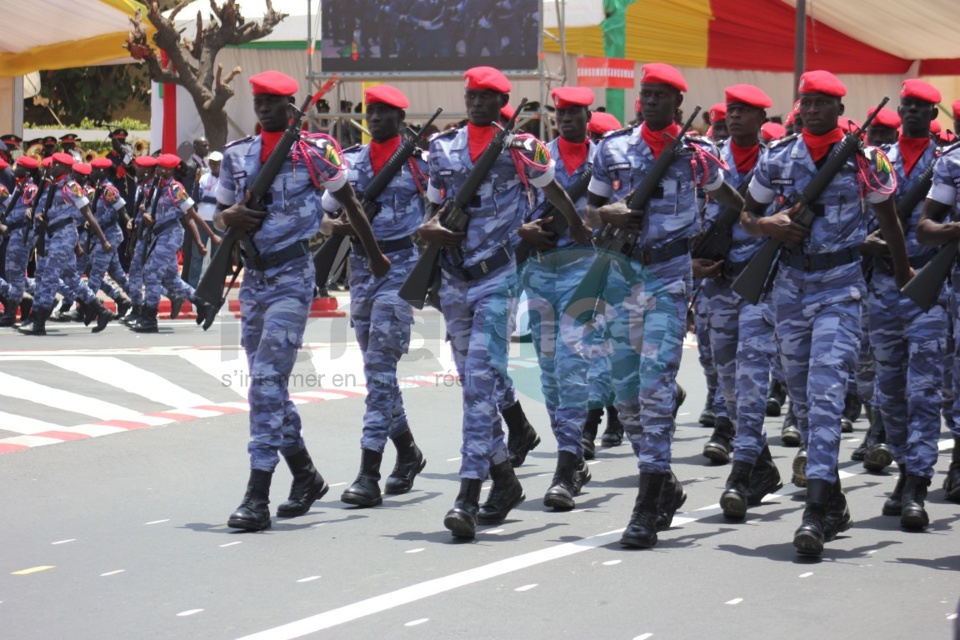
x: 130, y: 124
x: 73, y: 95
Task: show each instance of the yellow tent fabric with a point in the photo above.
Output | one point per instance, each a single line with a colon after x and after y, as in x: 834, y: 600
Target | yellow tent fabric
x: 60, y: 34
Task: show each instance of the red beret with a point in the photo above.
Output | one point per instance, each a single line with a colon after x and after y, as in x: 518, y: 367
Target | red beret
x: 568, y: 97
x: 601, y: 122
x: 747, y: 94
x: 847, y: 124
x: 169, y: 160
x: 101, y: 163
x: 82, y: 168
x: 507, y: 111
x: 790, y: 118
x: 273, y: 83
x: 69, y: 137
x: 27, y: 162
x: 63, y: 158
x: 385, y: 94
x: 145, y: 161
x: 946, y: 137
x: 48, y: 161
x: 916, y: 88
x: 886, y: 118
x: 935, y: 127
x: 659, y: 73
x: 486, y: 78
x: 956, y: 110
x: 718, y: 112
x: 772, y: 131
x: 3, y: 164
x: 822, y: 82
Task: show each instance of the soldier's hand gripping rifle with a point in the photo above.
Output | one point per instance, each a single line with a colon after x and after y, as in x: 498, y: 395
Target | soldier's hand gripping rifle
x: 455, y: 218
x: 88, y: 245
x: 147, y: 230
x: 612, y: 241
x: 33, y: 209
x: 924, y: 288
x: 137, y: 228
x: 211, y: 286
x: 558, y: 223
x: 716, y: 241
x: 752, y: 281
x: 329, y: 257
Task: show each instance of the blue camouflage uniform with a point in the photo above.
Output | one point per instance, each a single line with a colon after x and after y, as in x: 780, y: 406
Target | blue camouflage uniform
x: 479, y: 308
x: 134, y: 286
x: 550, y: 280
x: 166, y: 236
x: 946, y: 180
x: 109, y: 206
x: 379, y: 316
x: 18, y: 251
x: 277, y: 289
x: 818, y: 319
x: 741, y: 334
x: 651, y: 291
x: 60, y: 262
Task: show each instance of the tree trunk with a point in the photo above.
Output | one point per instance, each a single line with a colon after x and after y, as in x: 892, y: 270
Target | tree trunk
x: 215, y: 128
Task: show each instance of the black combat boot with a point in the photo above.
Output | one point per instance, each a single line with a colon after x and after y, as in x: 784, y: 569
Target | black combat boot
x: 709, y: 415
x: 809, y: 538
x: 9, y: 317
x: 837, y: 518
x: 776, y: 397
x: 590, y: 433
x: 147, y: 322
x: 641, y: 531
x: 62, y: 313
x: 253, y: 514
x: 75, y: 314
x: 582, y: 476
x: 914, y: 515
x: 852, y: 408
x: 522, y: 438
x: 733, y: 500
x: 563, y: 488
x: 765, y: 478
x: 672, y: 497
x: 877, y: 456
x: 36, y: 325
x: 176, y: 304
x: 131, y: 318
x: 789, y: 433
x: 505, y: 494
x: 365, y: 490
x: 870, y: 437
x: 26, y: 305
x: 410, y: 462
x: 951, y: 484
x: 96, y: 310
x: 720, y: 445
x: 613, y: 434
x: 678, y: 399
x: 800, y: 467
x: 308, y: 486
x: 123, y: 306
x: 462, y: 519
x: 893, y: 505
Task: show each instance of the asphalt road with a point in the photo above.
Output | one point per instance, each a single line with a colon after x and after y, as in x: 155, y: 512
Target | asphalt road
x: 122, y: 534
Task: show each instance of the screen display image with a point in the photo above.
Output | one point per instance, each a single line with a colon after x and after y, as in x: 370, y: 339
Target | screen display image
x: 424, y: 36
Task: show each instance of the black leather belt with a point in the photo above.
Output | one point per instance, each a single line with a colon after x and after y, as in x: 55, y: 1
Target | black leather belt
x: 483, y: 268
x: 277, y: 258
x: 163, y: 227
x: 667, y: 252
x: 59, y: 224
x: 387, y: 246
x: 820, y: 261
x: 19, y: 224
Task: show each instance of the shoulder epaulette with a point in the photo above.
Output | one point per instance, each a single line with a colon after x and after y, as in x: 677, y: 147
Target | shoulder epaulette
x: 445, y: 134
x: 953, y: 146
x: 355, y: 147
x: 619, y: 132
x: 783, y: 140
x: 236, y: 142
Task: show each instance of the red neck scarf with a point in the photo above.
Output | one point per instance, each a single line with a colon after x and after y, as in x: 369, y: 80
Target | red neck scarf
x: 478, y: 138
x: 380, y: 152
x: 910, y: 150
x: 268, y: 141
x: 745, y: 157
x: 656, y: 140
x: 820, y: 145
x: 574, y: 154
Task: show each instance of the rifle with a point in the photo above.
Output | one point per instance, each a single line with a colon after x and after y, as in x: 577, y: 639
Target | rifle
x: 613, y: 241
x: 329, y: 257
x: 752, y: 281
x: 147, y: 239
x: 417, y: 284
x: 41, y: 235
x: 924, y: 288
x: 558, y: 224
x: 36, y: 200
x: 715, y: 242
x: 88, y: 245
x: 135, y: 232
x: 210, y: 289
x: 14, y: 199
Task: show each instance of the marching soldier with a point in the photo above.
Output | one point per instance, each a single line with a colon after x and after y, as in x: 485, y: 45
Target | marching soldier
x: 379, y: 316
x: 110, y: 211
x: 21, y: 237
x: 144, y: 168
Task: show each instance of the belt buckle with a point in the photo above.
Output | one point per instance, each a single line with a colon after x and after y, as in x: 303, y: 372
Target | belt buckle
x: 483, y: 267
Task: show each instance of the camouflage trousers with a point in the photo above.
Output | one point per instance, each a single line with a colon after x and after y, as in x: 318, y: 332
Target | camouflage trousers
x: 160, y: 270
x: 744, y: 348
x: 60, y: 272
x: 701, y: 327
x: 273, y: 315
x: 18, y: 255
x: 908, y: 347
x: 101, y: 263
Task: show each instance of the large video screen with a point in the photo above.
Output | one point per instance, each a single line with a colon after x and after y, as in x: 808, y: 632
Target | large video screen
x: 423, y: 36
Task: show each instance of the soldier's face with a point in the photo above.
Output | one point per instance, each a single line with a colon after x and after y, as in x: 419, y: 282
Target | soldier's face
x: 877, y: 135
x: 820, y: 112
x: 658, y: 104
x: 483, y: 106
x: 163, y: 173
x: 742, y: 120
x: 273, y: 112
x: 721, y: 129
x: 383, y: 121
x: 916, y: 116
x: 143, y: 173
x: 572, y: 123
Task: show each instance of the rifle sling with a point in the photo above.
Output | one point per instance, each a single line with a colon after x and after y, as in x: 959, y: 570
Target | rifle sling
x: 386, y: 246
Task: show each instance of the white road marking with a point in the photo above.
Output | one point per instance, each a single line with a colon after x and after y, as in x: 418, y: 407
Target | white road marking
x: 188, y: 612
x: 228, y: 368
x: 644, y: 636
x: 495, y: 531
x: 230, y: 544
x: 807, y: 574
x: 112, y: 573
x: 951, y: 616
x: 309, y: 579
x: 14, y: 387
x: 414, y: 550
x: 414, y: 623
x: 157, y: 521
x: 64, y: 541
x: 26, y: 426
x: 734, y: 601
x: 610, y: 563
x: 526, y: 587
x: 453, y: 459
x: 339, y: 484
